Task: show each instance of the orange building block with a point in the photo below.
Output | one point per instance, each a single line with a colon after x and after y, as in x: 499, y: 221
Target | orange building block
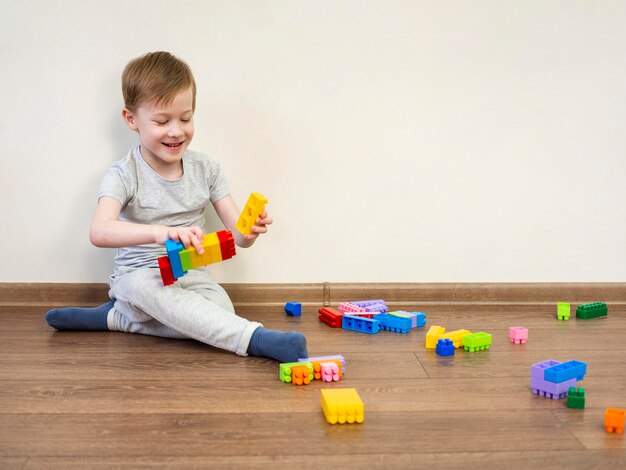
x: 614, y: 420
x: 300, y: 375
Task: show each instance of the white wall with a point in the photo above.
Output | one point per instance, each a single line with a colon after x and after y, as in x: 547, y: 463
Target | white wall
x: 395, y: 140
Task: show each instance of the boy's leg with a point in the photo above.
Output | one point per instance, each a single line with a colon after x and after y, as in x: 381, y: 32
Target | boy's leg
x: 284, y: 346
x: 183, y: 310
x: 80, y: 319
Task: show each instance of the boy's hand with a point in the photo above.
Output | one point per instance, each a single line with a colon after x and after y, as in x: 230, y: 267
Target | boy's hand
x: 259, y: 227
x: 188, y: 236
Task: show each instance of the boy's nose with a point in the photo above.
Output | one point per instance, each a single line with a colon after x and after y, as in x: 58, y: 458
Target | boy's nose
x: 174, y: 130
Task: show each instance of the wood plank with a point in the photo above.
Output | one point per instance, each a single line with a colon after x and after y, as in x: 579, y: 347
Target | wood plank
x: 546, y: 460
x: 223, y: 434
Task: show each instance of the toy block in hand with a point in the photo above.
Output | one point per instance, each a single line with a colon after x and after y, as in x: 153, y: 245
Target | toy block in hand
x: 252, y: 211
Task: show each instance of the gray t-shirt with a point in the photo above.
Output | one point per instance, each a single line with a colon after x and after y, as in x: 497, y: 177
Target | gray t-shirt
x: 148, y: 198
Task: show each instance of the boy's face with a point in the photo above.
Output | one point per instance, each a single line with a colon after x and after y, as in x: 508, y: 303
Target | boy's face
x: 165, y: 131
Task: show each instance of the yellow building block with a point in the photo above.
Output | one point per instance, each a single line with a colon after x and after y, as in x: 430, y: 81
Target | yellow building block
x: 190, y: 258
x: 456, y: 337
x: 253, y: 209
x: 433, y: 335
x: 342, y: 405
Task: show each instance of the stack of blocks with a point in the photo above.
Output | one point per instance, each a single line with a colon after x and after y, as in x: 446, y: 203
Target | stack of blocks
x: 218, y: 246
x: 553, y: 379
x: 326, y: 369
x: 469, y: 341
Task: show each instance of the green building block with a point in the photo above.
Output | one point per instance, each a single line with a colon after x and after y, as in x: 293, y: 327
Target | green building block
x: 563, y: 310
x: 594, y: 310
x: 477, y: 341
x: 576, y: 398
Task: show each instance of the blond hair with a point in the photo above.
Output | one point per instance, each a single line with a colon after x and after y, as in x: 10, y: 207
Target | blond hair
x: 156, y: 76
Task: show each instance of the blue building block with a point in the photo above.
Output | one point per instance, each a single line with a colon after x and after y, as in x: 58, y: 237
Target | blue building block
x: 293, y: 309
x: 565, y: 371
x: 363, y: 325
x: 421, y: 319
x: 445, y: 347
x: 394, y: 323
x: 173, y: 253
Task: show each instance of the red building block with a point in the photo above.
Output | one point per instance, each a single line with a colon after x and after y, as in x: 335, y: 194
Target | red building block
x: 227, y: 244
x: 166, y: 271
x: 330, y: 316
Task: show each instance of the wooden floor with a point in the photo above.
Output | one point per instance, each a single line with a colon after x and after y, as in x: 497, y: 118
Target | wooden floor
x: 114, y: 400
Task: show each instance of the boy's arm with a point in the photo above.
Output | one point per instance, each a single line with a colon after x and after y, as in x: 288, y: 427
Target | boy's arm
x: 229, y: 213
x: 108, y: 232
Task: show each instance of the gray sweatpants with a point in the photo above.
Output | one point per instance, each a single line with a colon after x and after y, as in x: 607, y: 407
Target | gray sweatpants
x: 194, y: 307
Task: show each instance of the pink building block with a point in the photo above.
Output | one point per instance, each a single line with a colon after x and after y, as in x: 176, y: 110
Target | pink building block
x: 518, y: 334
x: 347, y: 307
x: 330, y: 371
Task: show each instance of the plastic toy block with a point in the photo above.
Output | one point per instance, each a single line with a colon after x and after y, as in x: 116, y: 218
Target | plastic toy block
x: 594, y: 310
x: 457, y: 337
x: 538, y: 370
x: 347, y: 307
x: 191, y: 259
x: 227, y: 244
x: 420, y: 319
x: 394, y: 323
x: 434, y: 333
x: 417, y: 319
x: 296, y: 372
x: 563, y: 311
x: 330, y: 316
x: 445, y: 347
x: 363, y: 325
x: 293, y: 309
x: 518, y: 334
x: 549, y: 389
x: 576, y: 398
x: 173, y: 253
x: 565, y: 371
x: 377, y: 304
x: 330, y: 371
x: 480, y: 341
x: 342, y: 405
x: 337, y: 357
x: 251, y: 211
x: 614, y: 420
x: 317, y: 368
x: 166, y: 271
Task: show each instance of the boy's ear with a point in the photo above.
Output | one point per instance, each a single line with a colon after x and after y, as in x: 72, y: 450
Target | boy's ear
x: 129, y: 119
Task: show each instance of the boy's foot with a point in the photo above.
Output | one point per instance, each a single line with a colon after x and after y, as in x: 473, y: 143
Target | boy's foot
x: 80, y: 319
x: 283, y: 346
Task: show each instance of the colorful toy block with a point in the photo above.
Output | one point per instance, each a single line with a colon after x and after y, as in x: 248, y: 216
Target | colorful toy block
x: 293, y: 309
x: 417, y: 319
x: 518, y: 334
x: 330, y: 316
x: 166, y: 271
x: 539, y: 369
x: 337, y: 357
x: 594, y: 310
x: 456, y: 336
x: 614, y: 420
x: 576, y: 398
x: 372, y: 305
x: 342, y: 405
x: 445, y: 347
x: 298, y: 373
x: 552, y: 390
x: 319, y: 371
x: 480, y: 341
x: 218, y: 246
x: 252, y: 210
x: 567, y: 370
x: 330, y: 371
x: 434, y: 333
x: 363, y: 325
x: 173, y: 253
x: 563, y: 311
x: 347, y: 307
x: 394, y: 323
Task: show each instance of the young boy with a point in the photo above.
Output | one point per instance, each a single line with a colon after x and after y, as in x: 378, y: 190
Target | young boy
x: 160, y: 191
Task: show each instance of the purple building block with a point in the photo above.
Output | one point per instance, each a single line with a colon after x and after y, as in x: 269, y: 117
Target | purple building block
x: 538, y: 370
x: 551, y: 389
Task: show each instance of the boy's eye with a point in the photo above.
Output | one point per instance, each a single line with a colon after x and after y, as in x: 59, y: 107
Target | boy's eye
x: 160, y: 123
